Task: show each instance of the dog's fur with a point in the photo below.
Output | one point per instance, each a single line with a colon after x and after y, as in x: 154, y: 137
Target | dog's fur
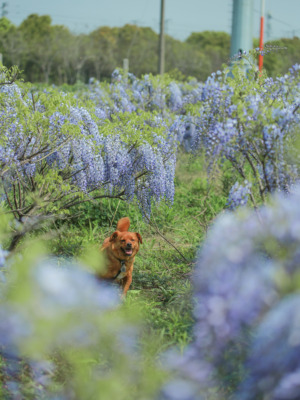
x: 120, y: 250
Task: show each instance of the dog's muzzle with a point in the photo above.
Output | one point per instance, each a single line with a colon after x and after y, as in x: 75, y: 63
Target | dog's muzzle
x: 128, y: 249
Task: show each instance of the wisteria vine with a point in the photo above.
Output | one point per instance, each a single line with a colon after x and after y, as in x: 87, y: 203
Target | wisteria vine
x: 53, y: 160
x: 251, y: 121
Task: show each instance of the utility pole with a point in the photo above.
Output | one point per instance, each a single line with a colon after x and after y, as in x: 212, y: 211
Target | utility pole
x: 4, y: 10
x: 3, y: 14
x: 161, y: 48
x: 268, y: 27
x: 242, y: 23
x: 126, y: 68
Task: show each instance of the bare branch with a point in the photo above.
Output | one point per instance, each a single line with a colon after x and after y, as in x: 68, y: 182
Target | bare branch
x: 155, y: 227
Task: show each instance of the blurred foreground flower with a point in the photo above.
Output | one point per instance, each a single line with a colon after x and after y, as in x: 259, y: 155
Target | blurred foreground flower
x: 273, y: 366
x: 63, y: 334
x: 246, y: 268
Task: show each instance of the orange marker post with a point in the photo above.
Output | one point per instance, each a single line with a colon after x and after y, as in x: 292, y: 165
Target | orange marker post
x: 261, y: 38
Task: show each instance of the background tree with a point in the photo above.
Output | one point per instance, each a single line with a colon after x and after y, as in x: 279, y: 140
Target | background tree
x: 79, y: 54
x: 12, y: 43
x: 36, y: 32
x: 283, y: 54
x: 186, y: 59
x: 52, y: 54
x: 215, y: 45
x: 103, y: 44
x: 62, y: 38
x: 140, y: 46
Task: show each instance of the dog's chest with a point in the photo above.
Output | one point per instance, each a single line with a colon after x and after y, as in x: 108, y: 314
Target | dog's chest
x: 122, y: 273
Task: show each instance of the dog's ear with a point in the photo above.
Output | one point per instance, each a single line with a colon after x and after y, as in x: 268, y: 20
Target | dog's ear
x: 139, y: 237
x: 113, y: 236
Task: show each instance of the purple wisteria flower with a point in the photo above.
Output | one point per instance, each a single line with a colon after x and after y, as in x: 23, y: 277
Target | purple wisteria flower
x: 3, y: 255
x: 3, y: 265
x: 238, y: 195
x: 56, y: 311
x: 84, y: 150
x: 245, y: 271
x: 273, y: 365
x: 251, y: 126
x: 55, y: 291
x: 176, y: 100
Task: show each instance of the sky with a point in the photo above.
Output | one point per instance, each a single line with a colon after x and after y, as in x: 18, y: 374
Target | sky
x: 182, y: 17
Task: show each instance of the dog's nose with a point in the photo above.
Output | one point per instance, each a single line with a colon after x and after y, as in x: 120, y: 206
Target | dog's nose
x: 129, y: 245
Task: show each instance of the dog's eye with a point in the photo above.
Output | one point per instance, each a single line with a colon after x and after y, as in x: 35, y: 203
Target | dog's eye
x: 132, y: 240
x: 123, y: 240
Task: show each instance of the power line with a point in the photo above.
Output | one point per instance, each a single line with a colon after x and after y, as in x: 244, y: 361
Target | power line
x: 270, y: 18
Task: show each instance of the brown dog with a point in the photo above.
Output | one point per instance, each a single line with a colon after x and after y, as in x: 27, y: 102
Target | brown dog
x: 120, y: 249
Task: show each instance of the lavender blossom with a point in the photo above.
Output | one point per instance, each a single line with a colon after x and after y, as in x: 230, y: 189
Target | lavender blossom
x: 230, y: 127
x: 55, y: 291
x: 73, y: 147
x: 3, y: 255
x: 273, y: 364
x: 175, y: 97
x: 63, y: 310
x: 238, y: 195
x: 244, y: 271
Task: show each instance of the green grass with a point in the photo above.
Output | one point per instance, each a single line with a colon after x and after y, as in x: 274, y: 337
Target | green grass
x: 161, y: 293
x: 162, y: 279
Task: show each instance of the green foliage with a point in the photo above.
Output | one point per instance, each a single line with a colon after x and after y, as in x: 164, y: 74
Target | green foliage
x: 5, y: 26
x: 139, y: 45
x: 36, y: 27
x: 210, y: 39
x: 129, y: 126
x: 9, y: 75
x: 280, y: 55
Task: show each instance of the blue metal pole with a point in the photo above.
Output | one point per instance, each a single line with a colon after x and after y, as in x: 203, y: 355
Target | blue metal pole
x: 242, y: 27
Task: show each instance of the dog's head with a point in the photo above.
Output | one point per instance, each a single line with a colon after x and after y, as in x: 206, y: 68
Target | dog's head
x: 125, y: 244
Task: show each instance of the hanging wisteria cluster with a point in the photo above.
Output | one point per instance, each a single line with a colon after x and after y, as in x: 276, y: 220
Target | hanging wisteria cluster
x: 247, y: 295
x: 250, y: 122
x: 67, y: 154
x: 238, y: 195
x: 253, y: 124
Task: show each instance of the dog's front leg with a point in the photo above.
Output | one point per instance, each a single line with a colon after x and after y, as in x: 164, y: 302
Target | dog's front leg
x: 126, y: 282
